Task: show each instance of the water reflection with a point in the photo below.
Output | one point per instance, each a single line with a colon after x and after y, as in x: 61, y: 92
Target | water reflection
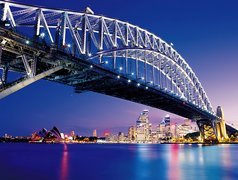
x: 226, y: 160
x: 64, y: 164
x: 117, y: 161
x: 173, y: 162
x: 176, y: 161
x: 149, y: 163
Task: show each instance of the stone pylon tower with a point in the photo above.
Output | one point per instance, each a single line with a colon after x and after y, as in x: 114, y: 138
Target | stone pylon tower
x: 220, y: 125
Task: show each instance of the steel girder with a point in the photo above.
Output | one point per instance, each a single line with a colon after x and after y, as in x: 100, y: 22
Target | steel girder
x: 112, y: 44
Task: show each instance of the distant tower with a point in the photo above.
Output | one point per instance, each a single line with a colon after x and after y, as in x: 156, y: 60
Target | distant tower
x: 221, y: 125
x: 94, y: 133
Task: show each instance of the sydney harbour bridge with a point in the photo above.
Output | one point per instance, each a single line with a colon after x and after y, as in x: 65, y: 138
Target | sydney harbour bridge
x: 95, y: 53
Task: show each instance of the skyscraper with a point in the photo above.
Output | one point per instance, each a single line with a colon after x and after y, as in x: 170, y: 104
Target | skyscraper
x: 164, y: 128
x: 167, y: 126
x: 131, y: 133
x: 142, y: 127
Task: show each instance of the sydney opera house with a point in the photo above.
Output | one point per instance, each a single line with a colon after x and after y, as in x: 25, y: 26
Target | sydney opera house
x: 43, y: 135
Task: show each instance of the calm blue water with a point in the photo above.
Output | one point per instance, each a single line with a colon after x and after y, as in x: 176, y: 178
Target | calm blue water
x: 116, y: 161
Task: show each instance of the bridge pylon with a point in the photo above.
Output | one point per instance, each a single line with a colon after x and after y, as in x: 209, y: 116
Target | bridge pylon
x: 214, y: 131
x: 220, y: 126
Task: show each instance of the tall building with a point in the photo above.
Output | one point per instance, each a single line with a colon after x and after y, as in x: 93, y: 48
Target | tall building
x: 142, y: 127
x: 164, y: 128
x: 132, y: 133
x: 94, y: 133
x: 167, y: 126
x: 173, y: 130
x: 121, y: 137
x: 186, y: 127
x: 161, y: 130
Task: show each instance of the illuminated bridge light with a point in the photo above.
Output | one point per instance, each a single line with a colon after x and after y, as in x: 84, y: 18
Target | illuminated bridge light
x: 129, y: 80
x: 120, y: 68
x: 146, y: 87
x: 142, y: 78
x: 27, y: 42
x: 91, y: 66
x: 42, y: 35
x: 89, y: 54
x: 106, y: 62
x: 151, y: 82
x: 132, y: 74
x: 118, y: 77
x: 68, y: 45
x: 138, y: 84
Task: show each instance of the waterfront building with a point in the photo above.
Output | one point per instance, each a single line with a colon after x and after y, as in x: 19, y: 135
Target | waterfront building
x: 111, y: 138
x: 142, y: 127
x: 167, y: 126
x: 186, y: 127
x: 164, y: 128
x: 161, y: 130
x: 121, y: 137
x: 131, y: 133
x: 173, y: 130
x: 52, y: 135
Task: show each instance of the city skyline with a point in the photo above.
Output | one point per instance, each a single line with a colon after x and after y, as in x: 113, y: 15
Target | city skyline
x: 142, y: 131
x: 48, y: 104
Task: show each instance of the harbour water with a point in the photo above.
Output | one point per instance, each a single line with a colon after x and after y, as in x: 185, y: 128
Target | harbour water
x: 117, y: 161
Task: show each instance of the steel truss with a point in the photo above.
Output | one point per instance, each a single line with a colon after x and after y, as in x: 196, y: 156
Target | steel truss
x: 111, y: 44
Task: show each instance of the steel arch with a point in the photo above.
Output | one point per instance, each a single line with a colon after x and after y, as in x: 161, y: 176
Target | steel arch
x: 105, y: 41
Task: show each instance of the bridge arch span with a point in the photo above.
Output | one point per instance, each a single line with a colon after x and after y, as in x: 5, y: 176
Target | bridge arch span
x: 114, y: 45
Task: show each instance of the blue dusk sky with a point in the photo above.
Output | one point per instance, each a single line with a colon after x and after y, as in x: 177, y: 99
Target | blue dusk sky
x: 204, y: 32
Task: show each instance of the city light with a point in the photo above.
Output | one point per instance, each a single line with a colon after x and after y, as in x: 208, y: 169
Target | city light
x: 138, y: 84
x: 68, y: 45
x: 120, y: 68
x: 27, y: 42
x: 129, y: 80
x: 118, y: 77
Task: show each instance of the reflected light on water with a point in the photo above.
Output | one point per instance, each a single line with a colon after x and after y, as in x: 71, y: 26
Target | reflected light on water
x: 200, y: 155
x: 118, y: 161
x: 226, y: 156
x: 142, y: 161
x: 64, y: 164
x: 174, y: 170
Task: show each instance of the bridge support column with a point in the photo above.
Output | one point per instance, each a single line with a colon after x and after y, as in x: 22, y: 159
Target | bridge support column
x: 17, y: 85
x: 221, y: 131
x: 221, y: 126
x: 208, y: 131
